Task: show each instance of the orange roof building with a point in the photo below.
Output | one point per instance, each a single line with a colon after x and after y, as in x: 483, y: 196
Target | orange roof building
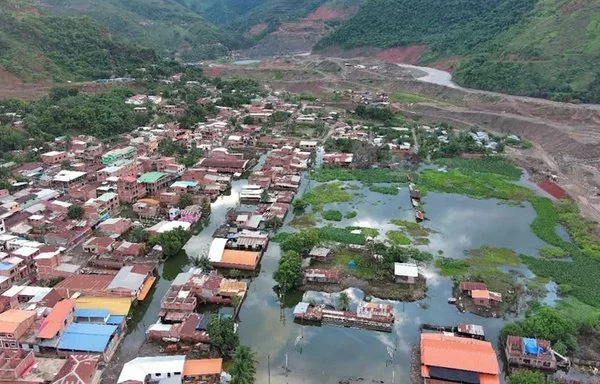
x: 452, y: 359
x: 206, y: 370
x: 245, y: 260
x: 58, y: 319
x: 14, y: 323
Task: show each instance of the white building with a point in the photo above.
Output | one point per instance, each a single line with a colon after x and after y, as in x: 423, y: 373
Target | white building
x: 158, y: 369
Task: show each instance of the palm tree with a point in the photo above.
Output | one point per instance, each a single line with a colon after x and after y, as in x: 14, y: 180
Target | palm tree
x: 243, y: 368
x: 344, y: 301
x: 202, y: 262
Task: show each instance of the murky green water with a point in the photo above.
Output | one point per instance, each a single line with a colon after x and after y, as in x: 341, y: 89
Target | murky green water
x: 308, y: 354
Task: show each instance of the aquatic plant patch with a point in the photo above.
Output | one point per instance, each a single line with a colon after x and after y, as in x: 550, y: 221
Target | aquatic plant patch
x: 397, y: 238
x: 391, y: 190
x: 332, y: 215
x: 378, y: 175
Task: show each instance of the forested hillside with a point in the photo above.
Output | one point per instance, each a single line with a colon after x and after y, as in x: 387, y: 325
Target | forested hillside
x: 544, y: 48
x: 241, y: 15
x: 37, y: 46
x: 168, y: 26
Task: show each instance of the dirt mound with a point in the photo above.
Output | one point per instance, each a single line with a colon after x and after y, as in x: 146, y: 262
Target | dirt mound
x: 12, y: 86
x: 402, y: 55
x: 326, y: 13
x: 256, y: 29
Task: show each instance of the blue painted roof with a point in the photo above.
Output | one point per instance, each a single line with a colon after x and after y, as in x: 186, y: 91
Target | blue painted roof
x: 5, y: 266
x: 86, y: 337
x: 184, y: 183
x: 91, y: 329
x: 87, y: 343
x: 92, y: 313
x: 115, y: 320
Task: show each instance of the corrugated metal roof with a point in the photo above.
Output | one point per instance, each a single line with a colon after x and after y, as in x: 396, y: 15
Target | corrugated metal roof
x: 216, y: 249
x: 115, y: 305
x: 87, y: 337
x: 102, y: 313
x: 406, y: 269
x: 115, y: 320
x: 137, y: 369
x: 91, y: 329
x: 438, y: 350
x: 125, y: 278
x: 89, y: 343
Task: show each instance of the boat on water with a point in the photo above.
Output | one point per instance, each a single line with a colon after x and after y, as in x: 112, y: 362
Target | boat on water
x: 415, y: 203
x: 419, y: 215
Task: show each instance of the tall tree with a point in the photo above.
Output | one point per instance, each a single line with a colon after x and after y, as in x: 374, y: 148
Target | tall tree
x: 75, y: 212
x: 243, y: 368
x: 289, y: 272
x: 222, y: 335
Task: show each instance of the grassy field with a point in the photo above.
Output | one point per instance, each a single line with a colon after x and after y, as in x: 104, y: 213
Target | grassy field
x: 403, y: 97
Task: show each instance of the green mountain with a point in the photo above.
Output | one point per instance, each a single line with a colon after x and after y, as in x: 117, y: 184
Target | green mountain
x: 168, y: 26
x: 542, y: 48
x: 240, y: 15
x: 37, y: 46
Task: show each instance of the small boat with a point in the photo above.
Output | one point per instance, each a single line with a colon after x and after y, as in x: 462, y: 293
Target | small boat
x: 411, y: 187
x: 452, y: 300
x: 419, y: 215
x: 415, y: 203
x: 415, y: 194
x: 409, y: 178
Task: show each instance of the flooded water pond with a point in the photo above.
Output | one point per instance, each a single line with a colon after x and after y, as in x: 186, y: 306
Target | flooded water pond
x: 290, y: 353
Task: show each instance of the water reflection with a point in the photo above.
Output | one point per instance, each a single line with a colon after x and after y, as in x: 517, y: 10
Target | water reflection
x: 308, y: 354
x: 329, y: 354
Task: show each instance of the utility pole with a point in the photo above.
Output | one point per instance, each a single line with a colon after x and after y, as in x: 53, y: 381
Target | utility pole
x: 269, y: 367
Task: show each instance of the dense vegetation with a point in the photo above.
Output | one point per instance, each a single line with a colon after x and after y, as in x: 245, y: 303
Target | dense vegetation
x: 289, y: 272
x: 39, y: 47
x: 243, y: 14
x: 548, y: 324
x: 543, y: 48
x: 102, y: 115
x: 167, y: 26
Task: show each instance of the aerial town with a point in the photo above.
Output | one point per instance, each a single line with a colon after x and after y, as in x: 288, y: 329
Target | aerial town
x: 253, y: 240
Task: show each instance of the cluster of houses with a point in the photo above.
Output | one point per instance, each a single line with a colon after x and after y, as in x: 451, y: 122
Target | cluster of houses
x: 70, y: 272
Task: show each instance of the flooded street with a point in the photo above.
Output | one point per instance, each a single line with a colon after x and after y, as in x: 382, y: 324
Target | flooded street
x: 290, y: 353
